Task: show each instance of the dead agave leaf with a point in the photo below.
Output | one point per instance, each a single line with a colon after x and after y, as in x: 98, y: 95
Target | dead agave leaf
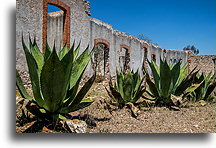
x: 134, y: 110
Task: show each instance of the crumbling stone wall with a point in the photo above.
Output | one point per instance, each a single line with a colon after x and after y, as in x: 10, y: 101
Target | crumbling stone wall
x: 90, y: 31
x: 206, y: 63
x: 138, y: 49
x: 30, y: 20
x: 173, y: 56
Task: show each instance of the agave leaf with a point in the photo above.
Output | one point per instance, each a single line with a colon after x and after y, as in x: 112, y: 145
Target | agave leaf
x: 110, y: 94
x: 72, y: 92
x: 84, y: 103
x: 81, y: 94
x: 34, y: 75
x: 152, y: 86
x: 186, y: 82
x: 136, y: 81
x: 30, y: 43
x: 63, y: 52
x: 53, y: 82
x: 209, y: 79
x: 67, y: 63
x: 35, y: 110
x: 165, y: 79
x: 193, y: 88
x: 134, y: 109
x: 139, y: 94
x: 21, y: 87
x: 209, y: 90
x: 175, y: 72
x: 115, y: 93
x: 38, y: 56
x: 128, y: 87
x: 120, y: 78
x: 155, y: 73
x: 199, y: 92
x: 182, y: 75
x: 149, y: 97
x: 79, y: 66
x: 138, y: 89
x: 76, y: 51
x: 47, y: 52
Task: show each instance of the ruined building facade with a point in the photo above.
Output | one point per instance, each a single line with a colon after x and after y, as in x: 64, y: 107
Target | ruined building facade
x: 115, y: 49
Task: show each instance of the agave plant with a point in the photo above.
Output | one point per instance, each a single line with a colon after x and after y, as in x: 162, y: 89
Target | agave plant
x: 204, y: 91
x: 169, y: 81
x: 127, y: 89
x: 55, y: 80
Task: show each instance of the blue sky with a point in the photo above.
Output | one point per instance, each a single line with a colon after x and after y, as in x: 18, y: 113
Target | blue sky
x: 172, y: 24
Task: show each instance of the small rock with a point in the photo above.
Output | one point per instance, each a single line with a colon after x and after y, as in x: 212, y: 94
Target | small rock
x: 76, y: 126
x: 196, y: 126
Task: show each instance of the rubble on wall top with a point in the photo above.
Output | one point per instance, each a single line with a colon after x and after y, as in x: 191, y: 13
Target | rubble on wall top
x: 87, y: 7
x: 119, y: 33
x: 174, y: 50
x: 101, y: 23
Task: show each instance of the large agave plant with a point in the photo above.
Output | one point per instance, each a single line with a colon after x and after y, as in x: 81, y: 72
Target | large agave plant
x: 204, y: 91
x: 128, y: 88
x: 169, y: 81
x: 55, y: 80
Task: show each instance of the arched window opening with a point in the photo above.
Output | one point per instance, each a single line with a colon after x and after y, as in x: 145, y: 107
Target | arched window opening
x: 56, y: 23
x: 164, y: 54
x: 145, y: 63
x: 153, y: 57
x: 101, y: 57
x: 124, y: 58
x: 174, y: 61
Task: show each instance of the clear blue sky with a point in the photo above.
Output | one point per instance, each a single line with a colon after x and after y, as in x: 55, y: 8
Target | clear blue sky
x: 172, y: 24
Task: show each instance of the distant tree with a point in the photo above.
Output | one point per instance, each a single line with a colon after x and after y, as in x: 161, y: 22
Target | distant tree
x: 192, y: 49
x: 143, y: 37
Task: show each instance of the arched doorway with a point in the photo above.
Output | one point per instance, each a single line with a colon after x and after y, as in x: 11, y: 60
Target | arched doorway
x: 101, y: 56
x: 145, y: 58
x: 124, y: 58
x: 64, y: 32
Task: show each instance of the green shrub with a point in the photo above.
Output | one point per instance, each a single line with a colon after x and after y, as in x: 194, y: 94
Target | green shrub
x: 55, y: 80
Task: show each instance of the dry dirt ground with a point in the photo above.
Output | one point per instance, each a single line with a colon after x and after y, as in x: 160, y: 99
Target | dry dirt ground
x: 102, y: 117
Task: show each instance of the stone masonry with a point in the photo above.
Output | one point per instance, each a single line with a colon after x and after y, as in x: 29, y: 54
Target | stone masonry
x: 74, y: 23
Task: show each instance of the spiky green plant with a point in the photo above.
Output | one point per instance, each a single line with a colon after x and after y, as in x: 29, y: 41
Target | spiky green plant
x: 128, y: 88
x: 169, y: 80
x: 204, y: 91
x: 55, y: 80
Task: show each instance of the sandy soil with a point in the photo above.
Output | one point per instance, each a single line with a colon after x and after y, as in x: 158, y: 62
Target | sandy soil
x: 102, y: 117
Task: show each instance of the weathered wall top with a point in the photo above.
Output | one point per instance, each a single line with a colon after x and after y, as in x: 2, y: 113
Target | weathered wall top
x: 87, y: 7
x: 120, y: 33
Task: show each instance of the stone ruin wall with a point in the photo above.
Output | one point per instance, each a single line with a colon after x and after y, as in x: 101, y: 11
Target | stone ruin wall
x: 29, y: 20
x: 92, y: 31
x: 205, y: 63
